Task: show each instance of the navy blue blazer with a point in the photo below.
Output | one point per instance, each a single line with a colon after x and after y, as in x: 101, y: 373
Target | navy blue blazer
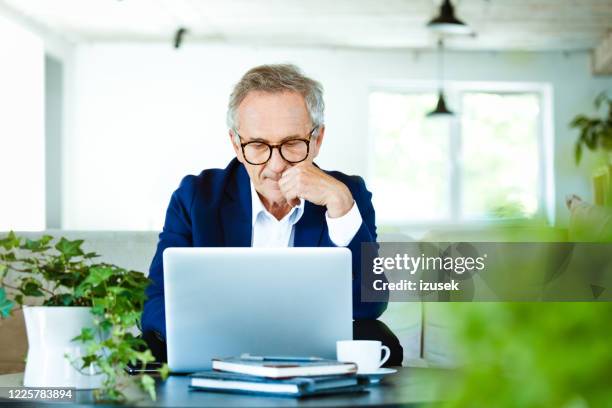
x: 213, y: 209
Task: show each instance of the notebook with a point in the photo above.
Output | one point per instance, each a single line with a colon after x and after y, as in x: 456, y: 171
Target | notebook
x: 283, y: 368
x: 293, y: 387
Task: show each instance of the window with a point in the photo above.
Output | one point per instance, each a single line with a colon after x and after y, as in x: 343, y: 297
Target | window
x: 484, y: 164
x: 500, y: 165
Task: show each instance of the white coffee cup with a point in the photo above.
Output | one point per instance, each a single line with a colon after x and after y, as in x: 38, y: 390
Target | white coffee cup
x: 365, y: 353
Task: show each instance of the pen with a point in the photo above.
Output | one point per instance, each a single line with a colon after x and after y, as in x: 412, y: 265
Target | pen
x: 247, y: 356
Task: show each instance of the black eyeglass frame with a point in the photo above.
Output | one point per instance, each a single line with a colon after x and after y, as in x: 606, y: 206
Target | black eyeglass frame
x: 277, y: 146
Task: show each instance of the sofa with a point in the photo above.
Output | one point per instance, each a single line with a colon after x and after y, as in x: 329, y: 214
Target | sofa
x: 423, y: 328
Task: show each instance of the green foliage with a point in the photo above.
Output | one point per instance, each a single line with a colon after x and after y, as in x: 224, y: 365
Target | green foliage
x: 5, y: 304
x: 533, y: 355
x: 595, y: 132
x: 64, y: 275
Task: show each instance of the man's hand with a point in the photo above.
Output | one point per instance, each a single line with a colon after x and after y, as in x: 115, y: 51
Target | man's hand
x: 307, y: 181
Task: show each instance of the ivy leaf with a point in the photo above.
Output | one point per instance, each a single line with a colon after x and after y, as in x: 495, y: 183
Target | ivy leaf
x: 82, y: 290
x: 106, y: 325
x: 38, y: 245
x: 8, y: 257
x: 164, y: 371
x: 131, y: 318
x: 69, y: 249
x: 3, y: 270
x: 117, y: 290
x: 89, y: 360
x: 100, y: 274
x: 147, y: 383
x: 10, y: 241
x: 65, y: 299
x: 135, y: 343
x: 45, y: 239
x: 69, y: 280
x: 93, y: 348
x: 5, y: 304
x: 98, y: 306
x: 87, y: 334
x: 31, y: 287
x: 145, y: 356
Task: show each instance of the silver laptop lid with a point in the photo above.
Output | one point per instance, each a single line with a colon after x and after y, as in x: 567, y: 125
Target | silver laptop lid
x: 223, y: 302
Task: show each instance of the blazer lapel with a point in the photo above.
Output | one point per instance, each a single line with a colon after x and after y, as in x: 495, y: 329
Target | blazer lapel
x: 236, y: 210
x: 236, y: 216
x: 309, y: 228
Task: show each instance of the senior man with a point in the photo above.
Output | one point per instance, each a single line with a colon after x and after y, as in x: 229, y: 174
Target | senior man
x: 271, y: 194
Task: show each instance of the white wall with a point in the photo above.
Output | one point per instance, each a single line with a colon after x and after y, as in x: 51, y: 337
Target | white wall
x: 144, y: 115
x: 22, y: 147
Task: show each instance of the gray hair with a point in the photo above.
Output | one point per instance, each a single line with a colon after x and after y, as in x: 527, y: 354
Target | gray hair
x: 278, y: 78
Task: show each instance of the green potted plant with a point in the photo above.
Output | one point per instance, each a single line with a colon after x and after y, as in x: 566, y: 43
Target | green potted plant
x: 595, y: 132
x: 73, y: 303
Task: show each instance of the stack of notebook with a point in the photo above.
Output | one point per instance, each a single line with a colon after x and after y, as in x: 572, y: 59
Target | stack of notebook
x: 280, y: 376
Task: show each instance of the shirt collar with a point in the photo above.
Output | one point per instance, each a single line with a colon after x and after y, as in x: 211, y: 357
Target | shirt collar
x: 258, y: 208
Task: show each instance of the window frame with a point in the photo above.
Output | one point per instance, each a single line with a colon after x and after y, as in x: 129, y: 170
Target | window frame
x: 454, y: 92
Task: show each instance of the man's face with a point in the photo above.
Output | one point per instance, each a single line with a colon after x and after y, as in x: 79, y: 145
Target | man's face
x: 273, y: 118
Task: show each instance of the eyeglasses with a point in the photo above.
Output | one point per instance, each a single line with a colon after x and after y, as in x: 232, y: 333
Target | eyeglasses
x: 292, y: 150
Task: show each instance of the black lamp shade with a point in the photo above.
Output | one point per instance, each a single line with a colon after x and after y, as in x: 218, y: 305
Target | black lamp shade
x: 447, y: 23
x: 441, y: 109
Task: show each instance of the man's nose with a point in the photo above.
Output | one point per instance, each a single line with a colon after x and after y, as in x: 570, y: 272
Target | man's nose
x: 276, y: 162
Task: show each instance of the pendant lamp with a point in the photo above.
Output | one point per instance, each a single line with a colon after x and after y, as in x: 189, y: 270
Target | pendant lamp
x: 447, y: 23
x: 441, y: 109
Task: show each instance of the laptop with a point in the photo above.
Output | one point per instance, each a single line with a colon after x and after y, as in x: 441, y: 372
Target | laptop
x: 223, y: 302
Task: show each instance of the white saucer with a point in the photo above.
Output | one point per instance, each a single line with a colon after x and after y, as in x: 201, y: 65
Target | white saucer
x: 375, y: 376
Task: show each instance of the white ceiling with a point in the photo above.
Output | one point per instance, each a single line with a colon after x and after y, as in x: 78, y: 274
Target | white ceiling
x: 499, y: 24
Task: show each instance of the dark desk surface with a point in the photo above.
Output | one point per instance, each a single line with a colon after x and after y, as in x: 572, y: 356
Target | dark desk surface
x: 408, y: 387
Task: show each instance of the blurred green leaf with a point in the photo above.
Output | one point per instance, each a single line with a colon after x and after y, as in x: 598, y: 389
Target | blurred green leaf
x: 594, y: 131
x: 5, y: 304
x: 8, y: 257
x: 579, y: 121
x: 577, y: 152
x: 533, y: 354
x: 602, y: 97
x: 164, y: 371
x: 148, y: 384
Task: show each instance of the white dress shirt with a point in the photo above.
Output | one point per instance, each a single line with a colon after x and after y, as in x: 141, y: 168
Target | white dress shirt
x: 268, y: 232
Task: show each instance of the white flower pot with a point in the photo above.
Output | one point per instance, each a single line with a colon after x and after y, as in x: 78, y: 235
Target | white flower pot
x: 50, y: 330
